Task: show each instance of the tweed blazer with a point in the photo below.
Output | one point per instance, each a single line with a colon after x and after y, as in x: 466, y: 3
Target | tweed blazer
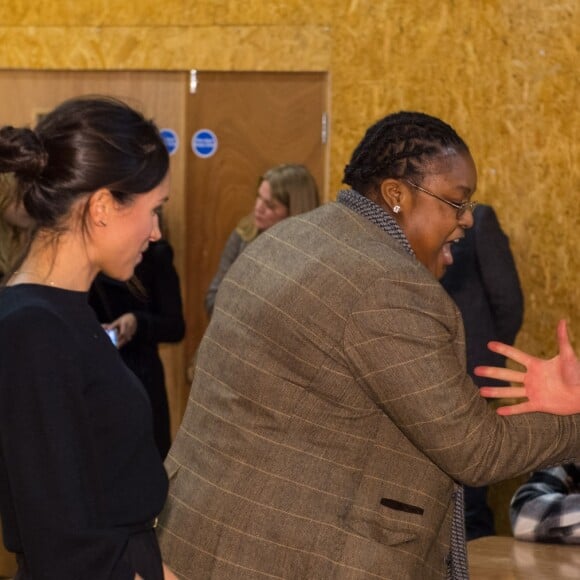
x: 331, y: 414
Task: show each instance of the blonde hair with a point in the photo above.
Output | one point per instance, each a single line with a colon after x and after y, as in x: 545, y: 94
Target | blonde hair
x: 12, y: 238
x: 293, y: 186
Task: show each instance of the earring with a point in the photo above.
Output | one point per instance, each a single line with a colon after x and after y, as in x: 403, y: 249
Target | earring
x: 102, y: 223
x: 397, y: 208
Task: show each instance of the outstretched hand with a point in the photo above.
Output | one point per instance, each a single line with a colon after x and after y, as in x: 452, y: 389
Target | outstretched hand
x: 550, y: 386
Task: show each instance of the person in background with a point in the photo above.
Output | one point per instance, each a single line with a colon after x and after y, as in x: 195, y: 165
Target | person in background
x: 81, y: 480
x: 483, y: 281
x: 15, y: 224
x: 141, y: 315
x: 283, y: 191
x: 331, y: 423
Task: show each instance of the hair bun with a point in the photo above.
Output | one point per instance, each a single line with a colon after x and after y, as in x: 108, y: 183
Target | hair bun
x: 22, y: 152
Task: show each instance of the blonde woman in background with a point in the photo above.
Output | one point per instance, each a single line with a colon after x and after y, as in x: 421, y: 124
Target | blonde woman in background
x: 283, y: 191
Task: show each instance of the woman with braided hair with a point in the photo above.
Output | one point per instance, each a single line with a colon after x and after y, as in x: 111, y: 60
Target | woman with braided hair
x: 331, y: 422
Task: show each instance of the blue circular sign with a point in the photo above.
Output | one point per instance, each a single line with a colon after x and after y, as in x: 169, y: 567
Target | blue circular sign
x: 170, y: 139
x: 204, y: 143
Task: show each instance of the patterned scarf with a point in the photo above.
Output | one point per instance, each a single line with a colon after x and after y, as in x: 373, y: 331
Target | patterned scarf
x: 375, y: 214
x: 457, y: 568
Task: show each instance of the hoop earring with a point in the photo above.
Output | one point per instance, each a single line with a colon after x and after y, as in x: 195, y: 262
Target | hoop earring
x: 397, y: 209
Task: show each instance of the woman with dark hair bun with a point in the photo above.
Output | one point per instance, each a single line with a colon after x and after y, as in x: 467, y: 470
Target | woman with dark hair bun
x: 81, y: 481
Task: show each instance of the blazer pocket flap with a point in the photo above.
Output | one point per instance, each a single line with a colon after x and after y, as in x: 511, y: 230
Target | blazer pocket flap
x: 377, y: 531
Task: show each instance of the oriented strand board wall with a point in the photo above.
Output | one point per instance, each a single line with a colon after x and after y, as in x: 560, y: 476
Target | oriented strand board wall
x: 503, y: 72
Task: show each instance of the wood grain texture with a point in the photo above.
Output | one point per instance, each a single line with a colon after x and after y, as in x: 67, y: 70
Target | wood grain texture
x: 502, y: 558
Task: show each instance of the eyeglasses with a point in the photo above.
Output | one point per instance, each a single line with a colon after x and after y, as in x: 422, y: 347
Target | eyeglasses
x: 460, y: 207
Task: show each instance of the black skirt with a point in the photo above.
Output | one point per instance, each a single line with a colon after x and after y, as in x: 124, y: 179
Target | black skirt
x: 141, y: 553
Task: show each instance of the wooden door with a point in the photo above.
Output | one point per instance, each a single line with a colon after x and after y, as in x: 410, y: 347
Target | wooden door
x: 260, y: 120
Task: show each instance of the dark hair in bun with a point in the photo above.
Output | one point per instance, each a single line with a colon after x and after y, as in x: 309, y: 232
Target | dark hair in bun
x: 22, y: 153
x: 85, y: 144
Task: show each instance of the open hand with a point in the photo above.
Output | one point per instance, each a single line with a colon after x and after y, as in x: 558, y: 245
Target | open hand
x: 550, y: 386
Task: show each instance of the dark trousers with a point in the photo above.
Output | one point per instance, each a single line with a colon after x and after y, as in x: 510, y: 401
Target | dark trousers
x: 478, y: 515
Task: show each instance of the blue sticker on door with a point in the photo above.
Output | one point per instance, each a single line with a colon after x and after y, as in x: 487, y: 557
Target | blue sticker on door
x: 170, y: 139
x: 204, y: 143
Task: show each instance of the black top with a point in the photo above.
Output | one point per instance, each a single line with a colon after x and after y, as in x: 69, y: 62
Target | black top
x: 78, y: 465
x: 159, y: 313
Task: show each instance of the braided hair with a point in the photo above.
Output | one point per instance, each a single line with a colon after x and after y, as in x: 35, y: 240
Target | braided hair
x: 400, y: 146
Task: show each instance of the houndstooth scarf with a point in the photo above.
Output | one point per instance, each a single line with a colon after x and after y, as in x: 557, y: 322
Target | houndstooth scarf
x: 457, y: 568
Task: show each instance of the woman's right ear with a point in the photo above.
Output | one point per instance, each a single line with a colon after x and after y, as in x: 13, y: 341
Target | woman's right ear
x: 391, y: 195
x: 100, y: 206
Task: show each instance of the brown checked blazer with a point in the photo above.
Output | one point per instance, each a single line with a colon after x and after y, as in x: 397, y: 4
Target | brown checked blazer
x: 330, y: 416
